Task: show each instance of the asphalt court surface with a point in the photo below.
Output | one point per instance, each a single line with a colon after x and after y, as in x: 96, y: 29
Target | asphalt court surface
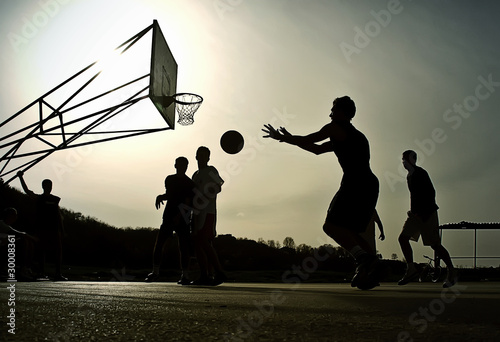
x: 134, y: 311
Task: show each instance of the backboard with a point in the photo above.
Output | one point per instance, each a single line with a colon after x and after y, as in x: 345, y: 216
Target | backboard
x: 163, y: 76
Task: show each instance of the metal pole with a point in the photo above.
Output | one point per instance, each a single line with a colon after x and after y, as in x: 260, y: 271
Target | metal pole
x: 475, y: 247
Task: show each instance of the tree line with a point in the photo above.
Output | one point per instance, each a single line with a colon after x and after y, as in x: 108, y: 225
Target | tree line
x: 89, y: 242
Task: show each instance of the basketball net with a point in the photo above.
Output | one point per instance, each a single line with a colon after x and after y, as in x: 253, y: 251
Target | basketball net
x: 186, y: 105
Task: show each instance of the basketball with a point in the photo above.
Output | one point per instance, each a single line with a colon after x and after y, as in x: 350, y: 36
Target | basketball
x: 232, y: 142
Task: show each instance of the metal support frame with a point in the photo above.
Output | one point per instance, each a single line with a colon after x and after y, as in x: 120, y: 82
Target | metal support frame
x: 39, y: 130
x: 467, y: 226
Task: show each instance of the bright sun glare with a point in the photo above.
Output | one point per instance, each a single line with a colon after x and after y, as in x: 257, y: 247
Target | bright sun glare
x: 118, y: 67
x: 109, y: 59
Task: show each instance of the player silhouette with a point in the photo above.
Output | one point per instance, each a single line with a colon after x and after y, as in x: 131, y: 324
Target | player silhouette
x: 354, y: 203
x: 49, y: 224
x: 208, y: 185
x: 25, y: 241
x: 176, y: 218
x: 422, y: 221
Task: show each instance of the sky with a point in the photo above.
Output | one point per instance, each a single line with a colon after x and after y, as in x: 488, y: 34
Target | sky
x: 425, y: 75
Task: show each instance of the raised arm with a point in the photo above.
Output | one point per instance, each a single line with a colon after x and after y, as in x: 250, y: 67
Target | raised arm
x: 307, y: 142
x: 20, y: 174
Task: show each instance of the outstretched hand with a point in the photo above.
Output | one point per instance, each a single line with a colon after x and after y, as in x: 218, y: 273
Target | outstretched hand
x: 271, y: 132
x: 274, y: 133
x: 283, y: 131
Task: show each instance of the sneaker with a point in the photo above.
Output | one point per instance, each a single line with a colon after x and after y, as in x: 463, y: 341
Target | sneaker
x: 60, y: 277
x: 451, y: 278
x: 361, y: 270
x: 184, y: 281
x: 219, y: 279
x: 359, y: 274
x: 410, y: 275
x: 377, y: 270
x: 202, y: 281
x: 367, y: 274
x: 152, y: 277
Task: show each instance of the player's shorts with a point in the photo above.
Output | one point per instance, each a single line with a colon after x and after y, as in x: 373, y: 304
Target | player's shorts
x: 414, y: 227
x: 169, y: 225
x: 204, y: 224
x: 354, y: 204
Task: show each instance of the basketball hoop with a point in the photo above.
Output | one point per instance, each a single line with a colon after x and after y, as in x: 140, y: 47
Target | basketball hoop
x: 186, y: 105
